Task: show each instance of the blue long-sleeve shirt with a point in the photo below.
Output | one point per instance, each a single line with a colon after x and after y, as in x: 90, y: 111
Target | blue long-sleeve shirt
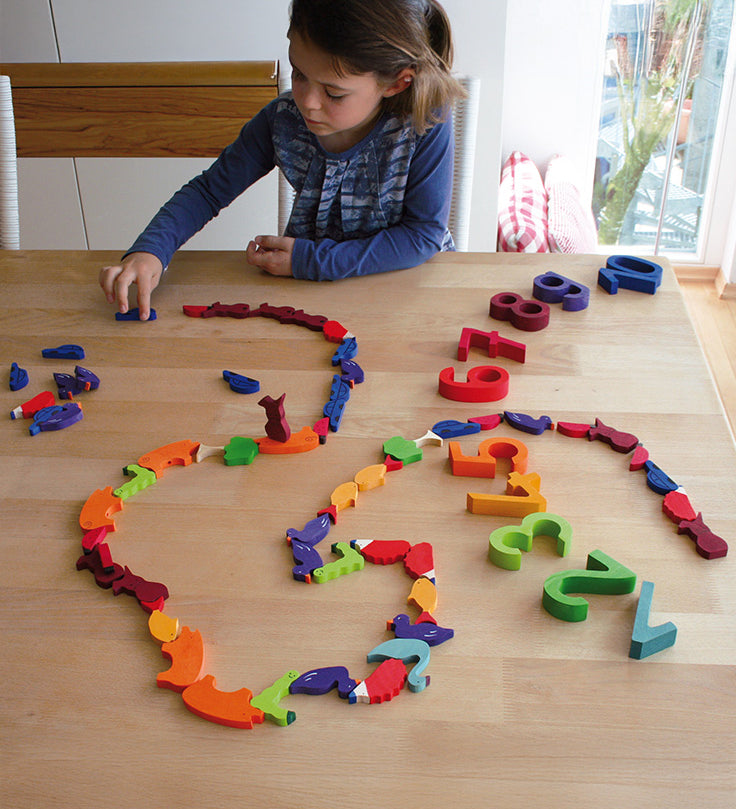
x: 381, y: 205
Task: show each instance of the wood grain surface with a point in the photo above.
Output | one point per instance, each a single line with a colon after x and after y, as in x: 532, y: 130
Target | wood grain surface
x: 522, y: 709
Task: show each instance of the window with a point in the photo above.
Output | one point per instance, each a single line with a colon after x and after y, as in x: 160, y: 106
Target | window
x: 663, y: 82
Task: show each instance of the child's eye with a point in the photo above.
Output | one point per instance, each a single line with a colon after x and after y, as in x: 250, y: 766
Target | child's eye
x: 334, y: 96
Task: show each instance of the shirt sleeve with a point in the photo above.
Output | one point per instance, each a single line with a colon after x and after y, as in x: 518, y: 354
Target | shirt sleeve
x: 243, y: 162
x: 416, y: 238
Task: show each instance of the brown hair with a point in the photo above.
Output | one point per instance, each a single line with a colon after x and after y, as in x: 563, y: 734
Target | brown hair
x: 385, y: 37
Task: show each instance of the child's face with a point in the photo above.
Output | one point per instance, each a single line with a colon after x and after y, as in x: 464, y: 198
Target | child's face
x: 339, y: 110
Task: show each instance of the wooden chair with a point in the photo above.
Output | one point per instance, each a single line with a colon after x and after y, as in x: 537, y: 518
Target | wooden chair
x: 9, y: 220
x: 465, y: 119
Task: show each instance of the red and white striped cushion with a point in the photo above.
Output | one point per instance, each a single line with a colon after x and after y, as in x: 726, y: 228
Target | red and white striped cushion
x: 571, y: 226
x: 522, y: 207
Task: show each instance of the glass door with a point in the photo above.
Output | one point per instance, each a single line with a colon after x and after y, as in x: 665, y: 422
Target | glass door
x: 662, y: 91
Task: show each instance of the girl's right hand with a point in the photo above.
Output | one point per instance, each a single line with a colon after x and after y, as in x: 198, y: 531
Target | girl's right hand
x: 142, y: 269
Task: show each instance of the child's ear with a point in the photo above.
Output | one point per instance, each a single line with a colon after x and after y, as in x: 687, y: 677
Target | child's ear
x: 401, y: 82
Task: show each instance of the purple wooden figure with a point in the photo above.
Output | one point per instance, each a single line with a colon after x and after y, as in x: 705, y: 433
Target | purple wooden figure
x: 313, y: 532
x: 321, y: 681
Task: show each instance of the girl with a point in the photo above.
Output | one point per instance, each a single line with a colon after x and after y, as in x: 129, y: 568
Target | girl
x: 363, y: 137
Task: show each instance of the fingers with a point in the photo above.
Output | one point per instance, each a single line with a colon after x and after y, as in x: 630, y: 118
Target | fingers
x: 141, y: 269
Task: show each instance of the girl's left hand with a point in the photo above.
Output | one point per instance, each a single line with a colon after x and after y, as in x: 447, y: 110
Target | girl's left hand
x: 271, y: 254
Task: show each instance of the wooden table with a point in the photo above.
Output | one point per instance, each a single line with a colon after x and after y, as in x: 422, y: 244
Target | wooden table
x: 523, y: 709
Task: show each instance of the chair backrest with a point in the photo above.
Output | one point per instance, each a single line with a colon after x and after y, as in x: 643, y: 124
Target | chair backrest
x: 465, y: 119
x: 135, y: 109
x: 9, y: 220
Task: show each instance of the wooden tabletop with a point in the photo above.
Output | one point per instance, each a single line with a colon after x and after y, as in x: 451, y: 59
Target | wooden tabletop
x: 522, y: 709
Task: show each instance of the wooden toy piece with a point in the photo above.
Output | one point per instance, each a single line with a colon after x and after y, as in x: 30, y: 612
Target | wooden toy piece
x: 676, y: 505
x: 268, y: 700
x: 639, y: 458
x: 331, y: 512
x: 322, y: 428
x: 657, y: 480
x: 553, y: 288
x: 29, y: 409
x: 69, y: 351
x: 573, y: 429
x: 307, y: 560
x: 186, y: 654
x: 18, y: 377
x: 522, y: 497
x: 275, y: 312
x: 485, y: 383
x: 347, y: 351
x: 67, y: 386
x: 351, y: 372
x: 277, y: 428
x: 335, y: 407
x: 619, y: 441
x: 304, y: 441
x: 603, y: 575
x: 522, y: 314
x: 483, y: 465
x: 86, y: 379
x: 141, y: 478
x: 180, y: 453
x: 146, y: 592
x: 134, y: 314
x: 707, y: 544
x: 204, y: 451
x: 194, y: 311
x: 334, y: 331
x: 648, y: 640
x: 491, y: 343
x: 322, y: 680
x: 239, y: 311
x: 392, y: 464
x: 506, y: 544
x: 313, y: 532
x: 419, y: 561
x: 350, y: 561
x: 407, y: 650
x: 371, y: 477
x: 93, y: 538
x: 300, y: 318
x: 152, y: 606
x: 163, y: 628
x: 106, y: 563
x: 528, y: 424
x: 97, y: 511
x: 345, y: 495
x: 91, y: 561
x: 630, y: 272
x: 402, y: 449
x: 62, y: 416
x: 428, y: 631
x: 382, y: 685
x: 423, y: 595
x: 487, y: 422
x: 451, y: 428
x: 241, y: 451
x: 241, y: 384
x: 429, y: 438
x: 382, y: 551
x: 231, y: 708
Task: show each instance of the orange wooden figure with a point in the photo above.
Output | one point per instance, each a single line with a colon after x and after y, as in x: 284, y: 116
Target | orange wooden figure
x: 97, y: 511
x: 231, y: 708
x: 187, y: 661
x: 180, y: 453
